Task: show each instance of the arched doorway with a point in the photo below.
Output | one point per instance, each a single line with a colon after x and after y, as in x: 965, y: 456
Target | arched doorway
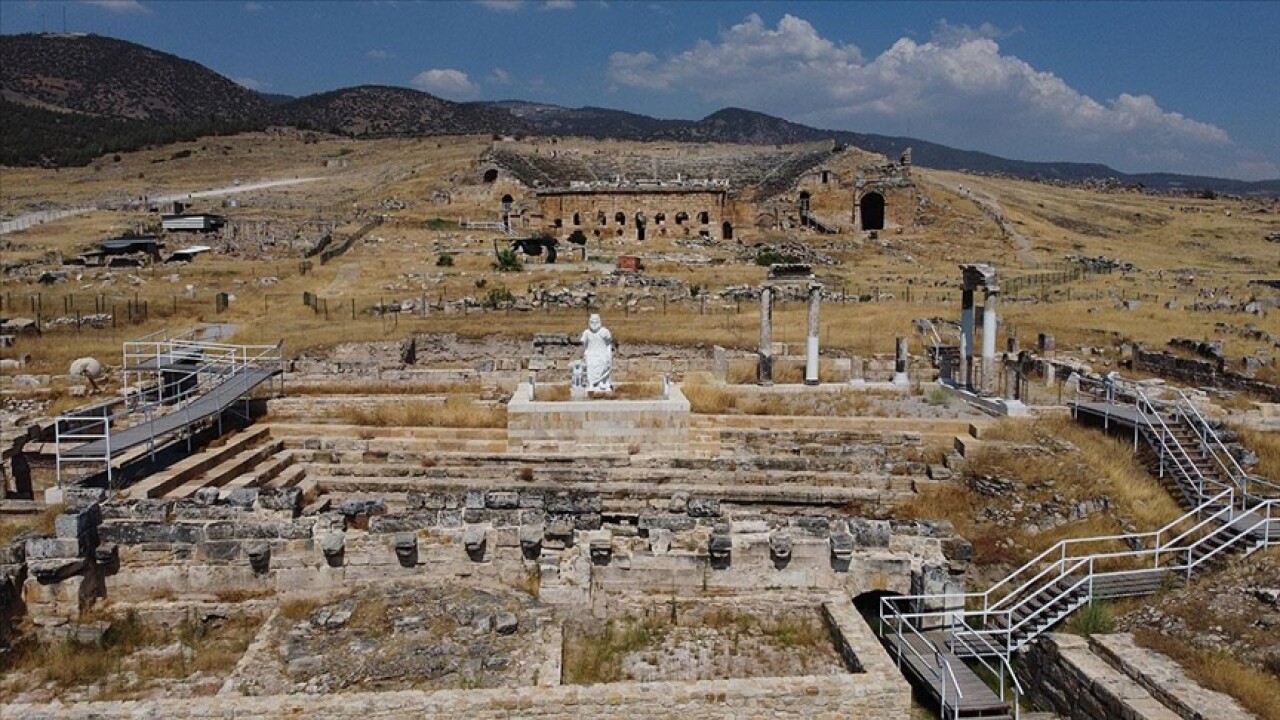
x: 577, y: 219
x: 641, y: 220
x: 726, y: 230
x: 804, y: 209
x: 871, y: 208
x: 620, y: 218
x: 704, y: 217
x: 507, y: 200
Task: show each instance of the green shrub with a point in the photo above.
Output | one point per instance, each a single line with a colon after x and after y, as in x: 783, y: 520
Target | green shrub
x: 1093, y: 618
x: 508, y: 261
x: 444, y: 260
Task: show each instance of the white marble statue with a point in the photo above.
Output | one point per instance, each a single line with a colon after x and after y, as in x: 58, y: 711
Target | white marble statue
x: 597, y: 343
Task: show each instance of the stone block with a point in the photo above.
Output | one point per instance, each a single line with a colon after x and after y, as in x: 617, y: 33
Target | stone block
x: 403, y: 522
x: 503, y: 500
x: 869, y: 533
x: 55, y: 570
x: 51, y: 548
x: 703, y: 507
x: 424, y: 500
x: 243, y: 498
x: 664, y: 521
x: 283, y: 499
x: 74, y: 524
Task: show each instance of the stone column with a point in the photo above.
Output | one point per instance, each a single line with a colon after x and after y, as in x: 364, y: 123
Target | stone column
x: 966, y: 338
x: 989, y: 339
x: 811, y: 351
x: 764, y: 366
x: 900, y: 373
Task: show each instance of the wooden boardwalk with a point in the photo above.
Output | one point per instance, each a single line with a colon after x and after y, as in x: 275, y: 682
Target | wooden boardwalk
x: 917, y: 654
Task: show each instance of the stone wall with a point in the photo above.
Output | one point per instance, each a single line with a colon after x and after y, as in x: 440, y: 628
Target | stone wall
x: 1108, y: 676
x: 658, y: 425
x: 1201, y: 372
x: 596, y: 212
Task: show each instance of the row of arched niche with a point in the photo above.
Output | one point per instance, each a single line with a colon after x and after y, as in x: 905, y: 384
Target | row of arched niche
x: 641, y: 221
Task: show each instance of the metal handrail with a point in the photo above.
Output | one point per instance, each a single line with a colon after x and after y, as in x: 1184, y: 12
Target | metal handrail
x: 938, y: 660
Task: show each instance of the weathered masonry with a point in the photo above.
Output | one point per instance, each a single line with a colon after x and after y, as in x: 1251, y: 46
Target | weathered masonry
x: 639, y: 211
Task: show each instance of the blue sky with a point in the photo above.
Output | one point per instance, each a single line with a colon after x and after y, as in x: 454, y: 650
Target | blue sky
x: 1147, y: 86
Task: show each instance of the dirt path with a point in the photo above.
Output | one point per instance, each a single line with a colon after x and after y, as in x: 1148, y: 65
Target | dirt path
x: 989, y: 205
x: 346, y: 276
x: 22, y: 222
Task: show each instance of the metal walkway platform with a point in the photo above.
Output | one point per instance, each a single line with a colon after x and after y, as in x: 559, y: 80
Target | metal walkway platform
x: 171, y: 386
x: 217, y: 399
x: 974, y: 699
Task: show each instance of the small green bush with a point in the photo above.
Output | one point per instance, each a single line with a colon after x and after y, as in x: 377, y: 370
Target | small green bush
x: 1093, y: 618
x: 508, y: 261
x: 444, y: 260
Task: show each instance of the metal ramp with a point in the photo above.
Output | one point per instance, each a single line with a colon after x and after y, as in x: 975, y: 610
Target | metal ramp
x: 1232, y: 514
x: 172, y: 387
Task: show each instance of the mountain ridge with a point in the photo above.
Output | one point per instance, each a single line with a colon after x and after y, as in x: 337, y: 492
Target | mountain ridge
x: 125, y: 95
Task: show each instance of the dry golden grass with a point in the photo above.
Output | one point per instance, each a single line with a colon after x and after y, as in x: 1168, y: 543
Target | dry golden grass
x: 118, y: 667
x: 1267, y: 446
x: 1102, y: 466
x: 707, y: 398
x: 1255, y: 689
x: 297, y: 609
x: 457, y: 411
x: 40, y: 523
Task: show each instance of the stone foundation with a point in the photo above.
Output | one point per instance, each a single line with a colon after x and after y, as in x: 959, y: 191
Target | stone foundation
x: 628, y: 426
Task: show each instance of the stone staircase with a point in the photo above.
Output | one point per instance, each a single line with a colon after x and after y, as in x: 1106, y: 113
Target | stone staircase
x: 215, y: 466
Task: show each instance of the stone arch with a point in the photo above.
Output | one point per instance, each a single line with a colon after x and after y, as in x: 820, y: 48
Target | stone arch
x: 660, y: 219
x: 490, y: 175
x: 558, y: 223
x: 704, y: 217
x: 620, y: 218
x: 868, y: 603
x: 507, y: 200
x: 871, y: 210
x: 577, y: 219
x: 726, y: 230
x: 682, y: 217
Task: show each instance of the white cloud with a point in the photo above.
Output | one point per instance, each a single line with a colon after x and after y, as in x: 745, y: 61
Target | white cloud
x: 447, y: 83
x: 499, y: 77
x: 957, y: 88
x: 378, y: 55
x: 502, y: 5
x: 254, y: 7
x: 558, y: 5
x: 122, y: 7
x: 250, y: 83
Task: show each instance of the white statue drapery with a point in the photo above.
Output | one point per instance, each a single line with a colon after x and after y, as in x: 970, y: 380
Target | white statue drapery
x: 597, y: 343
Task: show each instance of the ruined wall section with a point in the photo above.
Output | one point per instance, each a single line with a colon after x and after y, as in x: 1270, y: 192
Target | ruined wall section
x: 566, y: 544
x: 620, y: 213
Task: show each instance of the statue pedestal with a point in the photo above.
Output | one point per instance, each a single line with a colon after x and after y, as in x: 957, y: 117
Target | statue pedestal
x: 597, y: 425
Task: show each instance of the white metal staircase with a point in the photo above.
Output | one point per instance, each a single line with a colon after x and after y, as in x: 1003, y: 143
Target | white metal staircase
x: 1232, y: 513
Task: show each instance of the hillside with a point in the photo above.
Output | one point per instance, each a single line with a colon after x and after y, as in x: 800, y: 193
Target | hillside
x: 377, y: 110
x: 113, y: 78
